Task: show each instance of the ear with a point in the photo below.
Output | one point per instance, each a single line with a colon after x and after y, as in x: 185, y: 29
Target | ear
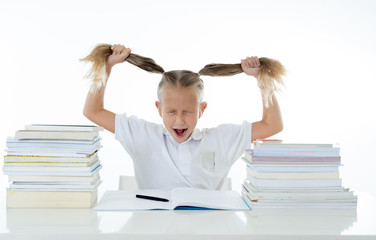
x: 203, y: 106
x: 159, y: 107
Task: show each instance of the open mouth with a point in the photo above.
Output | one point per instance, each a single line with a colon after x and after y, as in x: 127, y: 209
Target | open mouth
x: 180, y: 132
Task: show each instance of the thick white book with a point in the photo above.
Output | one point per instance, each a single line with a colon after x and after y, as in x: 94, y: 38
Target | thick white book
x: 250, y: 158
x: 29, y: 198
x: 40, y: 143
x: 179, y: 198
x: 297, y: 151
x: 297, y: 195
x: 261, y: 189
x: 294, y: 183
x: 55, y: 179
x: 335, y: 204
x: 11, y: 141
x: 49, y: 164
x: 62, y: 148
x: 282, y: 168
x: 54, y: 186
x: 53, y: 173
x: 71, y: 135
x: 50, y: 159
x: 75, y: 154
x: 62, y: 127
x: 293, y: 175
x: 51, y: 152
x: 273, y: 144
x: 52, y: 168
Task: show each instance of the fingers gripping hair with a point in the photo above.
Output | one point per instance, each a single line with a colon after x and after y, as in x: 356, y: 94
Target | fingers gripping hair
x: 270, y: 78
x: 98, y: 58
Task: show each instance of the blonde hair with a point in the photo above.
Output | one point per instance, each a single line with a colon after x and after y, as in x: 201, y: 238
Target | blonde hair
x: 270, y: 74
x: 181, y: 78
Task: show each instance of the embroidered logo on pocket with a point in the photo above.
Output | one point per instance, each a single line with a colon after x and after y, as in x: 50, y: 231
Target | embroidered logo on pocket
x: 208, y: 162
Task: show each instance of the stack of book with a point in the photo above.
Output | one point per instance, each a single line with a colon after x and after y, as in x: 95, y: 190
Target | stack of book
x: 282, y: 175
x: 53, y: 166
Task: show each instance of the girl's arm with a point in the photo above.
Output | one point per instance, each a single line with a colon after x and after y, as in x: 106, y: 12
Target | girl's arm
x: 94, y: 106
x: 271, y: 122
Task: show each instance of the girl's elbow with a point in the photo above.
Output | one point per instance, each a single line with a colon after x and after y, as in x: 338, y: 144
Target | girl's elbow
x: 87, y: 114
x: 279, y: 128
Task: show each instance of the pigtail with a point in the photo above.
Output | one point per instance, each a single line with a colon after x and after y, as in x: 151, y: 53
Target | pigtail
x: 98, y: 58
x: 221, y: 70
x: 271, y: 72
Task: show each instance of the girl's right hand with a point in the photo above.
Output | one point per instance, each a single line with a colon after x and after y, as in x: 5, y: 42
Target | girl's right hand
x: 251, y: 66
x: 119, y: 54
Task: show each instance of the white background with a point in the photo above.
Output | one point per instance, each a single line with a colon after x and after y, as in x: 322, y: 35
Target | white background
x: 328, y: 48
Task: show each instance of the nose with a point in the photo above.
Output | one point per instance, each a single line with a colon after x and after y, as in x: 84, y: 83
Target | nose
x: 179, y: 119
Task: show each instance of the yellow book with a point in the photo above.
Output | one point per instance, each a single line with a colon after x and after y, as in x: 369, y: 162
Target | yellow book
x: 51, y: 199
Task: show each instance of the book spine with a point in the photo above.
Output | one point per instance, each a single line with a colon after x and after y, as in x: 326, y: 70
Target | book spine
x: 282, y: 183
x: 49, y: 169
x: 286, y: 159
x: 51, y: 199
x: 293, y: 175
x: 296, y: 152
x: 26, y: 159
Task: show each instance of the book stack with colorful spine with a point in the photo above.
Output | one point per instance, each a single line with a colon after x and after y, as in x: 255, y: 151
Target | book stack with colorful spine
x: 53, y: 166
x: 283, y: 175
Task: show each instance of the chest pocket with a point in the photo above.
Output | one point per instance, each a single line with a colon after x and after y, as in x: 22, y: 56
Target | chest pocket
x: 208, y: 162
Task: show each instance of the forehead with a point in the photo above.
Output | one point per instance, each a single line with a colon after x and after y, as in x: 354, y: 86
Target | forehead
x: 180, y: 96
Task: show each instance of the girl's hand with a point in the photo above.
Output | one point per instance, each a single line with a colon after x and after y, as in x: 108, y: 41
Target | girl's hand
x: 251, y: 66
x: 119, y: 54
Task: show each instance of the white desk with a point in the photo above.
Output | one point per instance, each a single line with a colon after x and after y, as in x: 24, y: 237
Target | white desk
x: 257, y: 224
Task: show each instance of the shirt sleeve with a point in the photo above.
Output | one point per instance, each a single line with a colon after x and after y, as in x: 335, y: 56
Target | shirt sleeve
x: 236, y: 138
x: 135, y: 134
x: 126, y: 128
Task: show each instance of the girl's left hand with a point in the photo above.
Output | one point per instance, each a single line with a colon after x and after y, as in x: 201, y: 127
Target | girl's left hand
x: 251, y: 66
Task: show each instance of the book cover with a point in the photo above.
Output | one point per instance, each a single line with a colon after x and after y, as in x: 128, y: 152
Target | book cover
x: 294, y: 183
x: 71, y: 135
x: 297, y: 151
x: 49, y: 143
x: 49, y: 186
x: 51, y: 168
x: 54, y: 179
x: 274, y: 144
x: 250, y: 158
x: 50, y: 164
x: 298, y: 195
x: 292, y: 175
x: 296, y: 204
x: 74, y: 154
x: 260, y: 189
x: 54, y: 173
x: 50, y: 159
x: 51, y: 199
x: 62, y: 127
x: 283, y: 168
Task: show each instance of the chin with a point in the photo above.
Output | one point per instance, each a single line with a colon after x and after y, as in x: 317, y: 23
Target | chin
x: 180, y: 140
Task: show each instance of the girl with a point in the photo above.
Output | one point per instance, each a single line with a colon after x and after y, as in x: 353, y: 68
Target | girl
x: 177, y: 154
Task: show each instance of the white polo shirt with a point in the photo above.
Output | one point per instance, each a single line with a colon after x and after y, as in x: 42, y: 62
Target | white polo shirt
x: 203, y: 161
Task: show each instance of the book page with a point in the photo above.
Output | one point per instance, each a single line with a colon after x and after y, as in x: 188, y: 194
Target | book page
x: 126, y: 200
x: 211, y: 199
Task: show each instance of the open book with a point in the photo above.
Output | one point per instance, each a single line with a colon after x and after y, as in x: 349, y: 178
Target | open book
x: 179, y: 198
